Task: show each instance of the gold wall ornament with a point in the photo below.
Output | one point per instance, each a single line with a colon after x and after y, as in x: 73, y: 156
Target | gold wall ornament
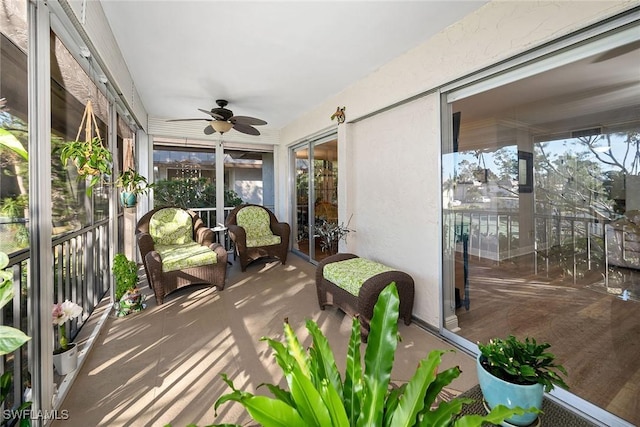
x: 339, y: 115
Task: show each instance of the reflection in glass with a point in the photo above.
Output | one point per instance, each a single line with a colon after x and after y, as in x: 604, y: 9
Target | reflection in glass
x: 541, y: 218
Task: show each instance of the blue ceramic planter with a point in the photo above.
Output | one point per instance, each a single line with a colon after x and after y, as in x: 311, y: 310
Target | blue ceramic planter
x: 499, y: 392
x: 128, y: 200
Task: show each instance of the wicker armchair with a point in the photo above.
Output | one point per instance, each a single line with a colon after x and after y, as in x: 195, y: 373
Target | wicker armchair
x: 256, y: 233
x: 179, y: 250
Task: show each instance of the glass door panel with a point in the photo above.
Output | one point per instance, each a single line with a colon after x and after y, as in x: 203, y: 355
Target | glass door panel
x: 300, y: 221
x: 316, y: 202
x: 325, y: 195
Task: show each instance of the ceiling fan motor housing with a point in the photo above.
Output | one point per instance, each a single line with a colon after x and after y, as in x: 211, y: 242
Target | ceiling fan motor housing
x: 225, y: 113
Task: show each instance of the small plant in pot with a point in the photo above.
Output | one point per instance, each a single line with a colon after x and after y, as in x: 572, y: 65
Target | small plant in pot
x: 132, y: 184
x: 513, y: 372
x: 127, y: 295
x: 330, y: 234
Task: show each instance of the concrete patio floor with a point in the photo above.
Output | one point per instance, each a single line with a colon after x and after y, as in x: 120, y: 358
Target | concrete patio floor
x: 163, y: 365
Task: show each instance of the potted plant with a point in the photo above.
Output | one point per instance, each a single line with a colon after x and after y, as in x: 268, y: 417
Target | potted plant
x: 132, y: 184
x: 330, y: 233
x: 513, y: 372
x: 127, y: 295
x: 318, y: 396
x: 91, y: 159
x: 65, y: 357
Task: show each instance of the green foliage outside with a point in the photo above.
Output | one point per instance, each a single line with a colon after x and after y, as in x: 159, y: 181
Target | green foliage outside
x: 318, y: 396
x: 67, y: 193
x: 10, y: 338
x: 191, y: 193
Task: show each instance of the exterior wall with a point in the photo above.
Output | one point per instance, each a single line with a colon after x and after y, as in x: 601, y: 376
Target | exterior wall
x: 248, y: 184
x: 392, y: 182
x: 394, y: 195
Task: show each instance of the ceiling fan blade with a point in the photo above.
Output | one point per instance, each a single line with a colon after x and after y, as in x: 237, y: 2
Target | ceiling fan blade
x: 209, y: 130
x: 188, y: 120
x: 249, y: 130
x: 244, y: 120
x: 214, y: 115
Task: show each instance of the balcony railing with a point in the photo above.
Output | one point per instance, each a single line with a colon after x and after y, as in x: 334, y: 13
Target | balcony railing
x: 570, y: 242
x: 80, y: 274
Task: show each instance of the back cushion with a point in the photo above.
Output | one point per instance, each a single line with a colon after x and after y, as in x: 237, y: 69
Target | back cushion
x: 255, y: 221
x: 171, y: 226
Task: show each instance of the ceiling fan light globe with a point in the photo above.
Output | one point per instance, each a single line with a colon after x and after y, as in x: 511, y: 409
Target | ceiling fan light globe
x: 221, y: 126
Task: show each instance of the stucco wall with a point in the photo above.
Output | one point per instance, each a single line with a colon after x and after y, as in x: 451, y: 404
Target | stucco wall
x: 393, y: 193
x: 390, y: 161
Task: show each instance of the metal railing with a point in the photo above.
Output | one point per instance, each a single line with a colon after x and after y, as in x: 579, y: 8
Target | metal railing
x: 556, y: 240
x: 80, y: 274
x: 208, y: 215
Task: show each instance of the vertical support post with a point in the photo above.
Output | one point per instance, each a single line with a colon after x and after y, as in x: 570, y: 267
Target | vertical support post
x: 40, y: 287
x: 219, y: 183
x: 112, y: 135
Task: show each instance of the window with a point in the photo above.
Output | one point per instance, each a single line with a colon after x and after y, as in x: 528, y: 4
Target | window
x: 186, y: 175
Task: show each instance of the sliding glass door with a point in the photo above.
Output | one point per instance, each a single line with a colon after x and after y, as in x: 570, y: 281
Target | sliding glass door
x: 541, y: 215
x: 316, y: 190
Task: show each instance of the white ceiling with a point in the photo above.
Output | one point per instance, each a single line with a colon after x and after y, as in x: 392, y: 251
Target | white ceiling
x: 274, y: 60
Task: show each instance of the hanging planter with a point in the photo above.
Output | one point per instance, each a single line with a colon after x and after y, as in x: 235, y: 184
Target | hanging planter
x: 132, y: 184
x: 91, y: 159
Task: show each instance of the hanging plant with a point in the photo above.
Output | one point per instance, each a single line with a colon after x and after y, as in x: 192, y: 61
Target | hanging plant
x: 132, y: 184
x: 90, y: 157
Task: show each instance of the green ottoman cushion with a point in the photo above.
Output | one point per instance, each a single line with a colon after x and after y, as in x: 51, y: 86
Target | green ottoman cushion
x: 179, y: 257
x: 352, y: 273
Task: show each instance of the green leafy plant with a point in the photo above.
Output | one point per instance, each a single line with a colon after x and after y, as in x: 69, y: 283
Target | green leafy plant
x: 522, y: 362
x: 10, y: 338
x: 132, y: 182
x: 91, y: 159
x: 125, y: 273
x: 330, y: 234
x: 317, y: 395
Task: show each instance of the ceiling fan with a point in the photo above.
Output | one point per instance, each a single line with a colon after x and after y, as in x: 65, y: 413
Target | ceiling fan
x: 222, y: 120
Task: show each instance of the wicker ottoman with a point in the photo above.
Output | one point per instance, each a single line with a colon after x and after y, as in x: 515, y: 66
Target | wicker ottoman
x: 331, y: 294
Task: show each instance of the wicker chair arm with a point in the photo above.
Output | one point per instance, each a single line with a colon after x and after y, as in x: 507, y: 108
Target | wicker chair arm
x: 238, y: 234
x: 220, y: 251
x: 145, y: 243
x: 204, y: 236
x: 281, y: 229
